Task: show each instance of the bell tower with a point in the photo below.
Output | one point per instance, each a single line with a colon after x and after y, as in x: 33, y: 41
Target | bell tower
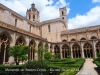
x: 33, y: 14
x: 63, y: 12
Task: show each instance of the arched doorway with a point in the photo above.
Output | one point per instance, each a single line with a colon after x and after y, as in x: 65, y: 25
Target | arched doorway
x: 4, y: 45
x: 88, y: 52
x: 76, y: 51
x: 98, y: 47
x: 65, y: 51
x: 31, y: 54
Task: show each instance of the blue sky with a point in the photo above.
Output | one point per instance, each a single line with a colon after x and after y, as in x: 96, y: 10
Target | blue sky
x: 80, y: 13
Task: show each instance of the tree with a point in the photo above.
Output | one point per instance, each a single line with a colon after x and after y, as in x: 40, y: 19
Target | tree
x: 40, y: 52
x: 47, y: 55
x: 19, y: 53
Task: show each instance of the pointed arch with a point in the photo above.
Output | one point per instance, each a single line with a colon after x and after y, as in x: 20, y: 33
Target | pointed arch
x: 46, y: 46
x: 88, y: 52
x: 5, y: 40
x: 56, y: 49
x: 65, y: 51
x: 76, y: 51
x: 31, y: 54
x: 40, y: 46
x: 97, y: 47
x: 20, y: 41
x: 51, y: 48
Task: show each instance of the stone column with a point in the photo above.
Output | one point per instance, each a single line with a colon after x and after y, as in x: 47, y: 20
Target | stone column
x: 82, y: 50
x: 53, y: 49
x: 44, y: 49
x: 71, y: 50
x: 48, y: 47
x: 4, y: 54
x: 61, y: 50
x: 36, y: 48
x: 94, y: 49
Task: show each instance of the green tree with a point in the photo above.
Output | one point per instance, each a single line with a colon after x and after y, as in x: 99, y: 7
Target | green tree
x: 47, y: 55
x: 19, y: 53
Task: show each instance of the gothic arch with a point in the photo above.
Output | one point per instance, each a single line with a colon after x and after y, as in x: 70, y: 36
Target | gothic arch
x: 40, y: 46
x: 51, y: 48
x: 88, y: 52
x: 76, y: 51
x: 5, y: 40
x: 20, y: 41
x: 31, y: 54
x: 97, y: 47
x: 65, y: 51
x: 46, y: 46
x: 56, y: 49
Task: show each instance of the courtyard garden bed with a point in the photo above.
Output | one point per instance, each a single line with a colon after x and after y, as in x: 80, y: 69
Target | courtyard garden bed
x: 66, y: 66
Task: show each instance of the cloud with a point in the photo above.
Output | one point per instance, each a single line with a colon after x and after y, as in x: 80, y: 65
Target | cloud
x: 95, y: 1
x: 91, y: 18
x: 48, y: 8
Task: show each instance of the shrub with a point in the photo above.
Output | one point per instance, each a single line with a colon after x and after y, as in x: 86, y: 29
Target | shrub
x: 47, y: 55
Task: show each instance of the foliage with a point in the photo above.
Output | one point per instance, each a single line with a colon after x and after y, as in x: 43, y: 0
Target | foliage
x: 57, y: 56
x: 97, y: 61
x: 19, y: 53
x: 40, y: 52
x: 47, y: 55
x: 98, y: 54
x: 38, y: 67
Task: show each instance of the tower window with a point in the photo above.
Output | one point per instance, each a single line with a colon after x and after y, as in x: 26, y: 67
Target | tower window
x: 30, y: 28
x: 63, y: 18
x: 29, y: 16
x: 15, y: 22
x: 48, y: 28
x: 33, y: 16
x: 62, y: 13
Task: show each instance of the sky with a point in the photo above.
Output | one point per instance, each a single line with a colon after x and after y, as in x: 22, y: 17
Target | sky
x: 80, y: 13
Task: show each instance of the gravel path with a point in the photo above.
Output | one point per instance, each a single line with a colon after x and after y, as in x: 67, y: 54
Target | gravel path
x: 89, y: 68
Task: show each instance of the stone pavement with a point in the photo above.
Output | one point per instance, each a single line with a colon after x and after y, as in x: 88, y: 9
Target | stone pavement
x: 89, y: 68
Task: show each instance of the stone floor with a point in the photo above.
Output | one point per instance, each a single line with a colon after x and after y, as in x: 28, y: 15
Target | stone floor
x: 89, y: 68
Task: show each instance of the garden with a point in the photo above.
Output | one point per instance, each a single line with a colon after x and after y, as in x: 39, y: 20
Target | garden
x: 47, y: 64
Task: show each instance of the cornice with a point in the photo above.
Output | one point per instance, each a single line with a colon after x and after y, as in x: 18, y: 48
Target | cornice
x: 13, y: 28
x: 79, y: 30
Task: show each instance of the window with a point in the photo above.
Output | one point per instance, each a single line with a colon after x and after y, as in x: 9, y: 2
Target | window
x: 63, y: 18
x: 15, y: 22
x: 62, y: 13
x: 29, y: 16
x: 30, y: 28
x: 33, y: 16
x: 48, y: 28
